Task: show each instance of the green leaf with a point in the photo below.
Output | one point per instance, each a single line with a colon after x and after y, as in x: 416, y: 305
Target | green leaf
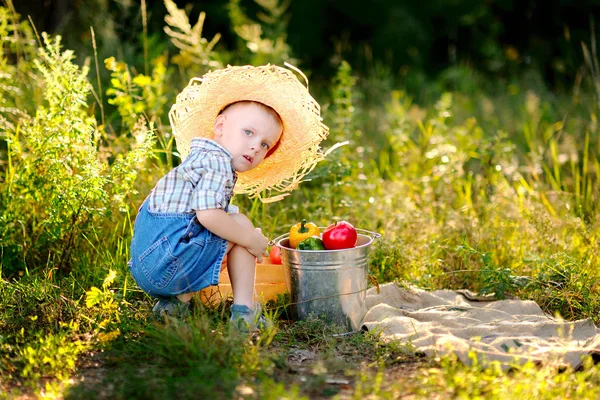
x: 93, y: 297
x: 486, y: 258
x: 110, y: 278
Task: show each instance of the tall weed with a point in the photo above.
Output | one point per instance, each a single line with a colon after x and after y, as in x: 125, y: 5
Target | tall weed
x: 265, y: 41
x: 54, y: 192
x: 196, y: 54
x: 56, y: 188
x: 18, y: 42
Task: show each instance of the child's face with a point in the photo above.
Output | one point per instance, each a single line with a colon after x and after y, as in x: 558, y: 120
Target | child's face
x: 247, y: 132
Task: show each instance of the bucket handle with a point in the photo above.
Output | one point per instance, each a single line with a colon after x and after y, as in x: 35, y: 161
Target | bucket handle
x: 372, y: 235
x: 277, y: 239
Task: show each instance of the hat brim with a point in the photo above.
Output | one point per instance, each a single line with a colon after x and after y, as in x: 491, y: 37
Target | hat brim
x: 198, y: 105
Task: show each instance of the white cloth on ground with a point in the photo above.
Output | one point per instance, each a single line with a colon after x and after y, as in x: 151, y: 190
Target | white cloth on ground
x: 508, y: 331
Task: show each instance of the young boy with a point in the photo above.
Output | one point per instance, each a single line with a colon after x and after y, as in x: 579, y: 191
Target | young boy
x: 245, y: 128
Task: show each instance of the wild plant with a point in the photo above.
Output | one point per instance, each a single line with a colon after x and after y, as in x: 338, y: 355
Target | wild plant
x: 139, y: 100
x: 7, y: 71
x: 50, y: 356
x: 55, y: 187
x: 565, y: 285
x: 453, y: 379
x: 590, y: 54
x: 42, y: 330
x: 335, y: 175
x: 495, y: 280
x: 137, y: 94
x: 196, y: 54
x: 105, y: 299
x: 18, y: 42
x: 265, y: 41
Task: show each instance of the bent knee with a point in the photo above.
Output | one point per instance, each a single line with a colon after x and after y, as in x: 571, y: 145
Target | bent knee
x: 242, y: 220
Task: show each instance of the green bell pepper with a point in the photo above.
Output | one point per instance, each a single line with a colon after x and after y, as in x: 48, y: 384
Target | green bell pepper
x: 311, y: 243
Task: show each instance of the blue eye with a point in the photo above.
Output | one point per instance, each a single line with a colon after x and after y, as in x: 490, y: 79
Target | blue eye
x: 265, y: 146
x: 247, y: 132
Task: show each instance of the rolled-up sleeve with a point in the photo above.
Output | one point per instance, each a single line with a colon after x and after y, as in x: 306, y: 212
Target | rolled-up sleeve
x: 211, y: 176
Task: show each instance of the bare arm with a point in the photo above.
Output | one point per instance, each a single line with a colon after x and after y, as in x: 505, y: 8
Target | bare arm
x: 222, y: 224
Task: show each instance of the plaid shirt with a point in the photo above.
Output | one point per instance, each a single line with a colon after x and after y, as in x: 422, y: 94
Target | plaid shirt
x: 204, y: 180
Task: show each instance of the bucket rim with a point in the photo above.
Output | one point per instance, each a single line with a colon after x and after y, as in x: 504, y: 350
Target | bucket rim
x: 361, y: 232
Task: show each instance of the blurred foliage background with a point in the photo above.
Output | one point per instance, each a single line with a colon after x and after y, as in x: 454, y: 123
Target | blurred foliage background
x: 496, y: 37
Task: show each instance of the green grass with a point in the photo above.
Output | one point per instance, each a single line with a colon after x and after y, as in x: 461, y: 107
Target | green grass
x: 494, y: 190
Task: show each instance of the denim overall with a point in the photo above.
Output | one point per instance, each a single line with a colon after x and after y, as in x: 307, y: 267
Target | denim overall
x: 172, y: 253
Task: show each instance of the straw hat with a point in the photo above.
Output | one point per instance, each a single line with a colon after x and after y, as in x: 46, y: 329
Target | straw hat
x: 198, y: 105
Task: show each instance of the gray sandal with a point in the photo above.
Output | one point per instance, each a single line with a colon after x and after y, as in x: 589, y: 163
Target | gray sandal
x: 246, y: 319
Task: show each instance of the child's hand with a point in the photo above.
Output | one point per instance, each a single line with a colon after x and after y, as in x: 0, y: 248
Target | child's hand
x: 258, y: 248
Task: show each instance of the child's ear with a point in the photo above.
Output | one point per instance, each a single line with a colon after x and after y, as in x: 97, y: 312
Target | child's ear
x: 219, y: 125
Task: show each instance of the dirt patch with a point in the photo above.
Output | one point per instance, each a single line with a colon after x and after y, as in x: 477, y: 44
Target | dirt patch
x: 321, y: 375
x: 91, y: 374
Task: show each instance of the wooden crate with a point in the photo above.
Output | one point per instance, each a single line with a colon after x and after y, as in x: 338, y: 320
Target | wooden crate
x: 269, y: 282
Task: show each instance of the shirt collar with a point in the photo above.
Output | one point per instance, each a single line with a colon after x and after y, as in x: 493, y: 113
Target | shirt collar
x: 207, y: 144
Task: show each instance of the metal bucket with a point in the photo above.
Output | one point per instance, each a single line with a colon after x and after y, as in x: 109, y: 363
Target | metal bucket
x: 328, y: 284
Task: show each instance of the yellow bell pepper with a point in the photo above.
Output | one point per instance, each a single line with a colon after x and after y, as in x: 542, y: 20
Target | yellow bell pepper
x: 302, y: 230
